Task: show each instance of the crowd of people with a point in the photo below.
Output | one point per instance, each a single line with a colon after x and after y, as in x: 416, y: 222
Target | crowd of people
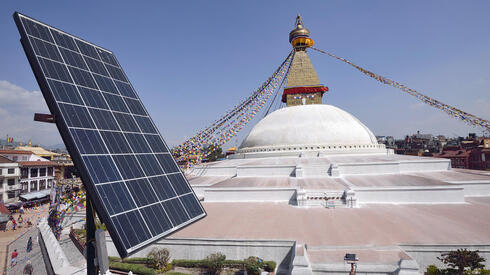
x: 24, y: 217
x: 20, y: 222
x: 28, y: 268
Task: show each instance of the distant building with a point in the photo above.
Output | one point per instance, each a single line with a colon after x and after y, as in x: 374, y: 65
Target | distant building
x: 40, y: 151
x: 389, y: 141
x: 476, y: 158
x: 65, y: 168
x: 9, y: 180
x: 460, y: 158
x: 416, y: 145
x: 36, y: 173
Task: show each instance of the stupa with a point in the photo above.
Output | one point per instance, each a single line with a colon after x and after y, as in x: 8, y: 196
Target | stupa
x: 310, y: 183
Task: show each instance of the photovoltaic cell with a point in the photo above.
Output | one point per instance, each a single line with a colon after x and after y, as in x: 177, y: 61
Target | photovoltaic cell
x: 137, y: 189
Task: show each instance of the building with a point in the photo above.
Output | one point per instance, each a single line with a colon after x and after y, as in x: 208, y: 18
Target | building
x: 65, y: 168
x: 460, y: 158
x: 310, y: 183
x: 476, y: 158
x: 9, y: 180
x: 388, y: 141
x: 36, y: 173
x: 38, y: 150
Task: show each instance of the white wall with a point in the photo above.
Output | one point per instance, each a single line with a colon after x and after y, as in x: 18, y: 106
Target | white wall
x: 443, y: 194
x: 250, y: 195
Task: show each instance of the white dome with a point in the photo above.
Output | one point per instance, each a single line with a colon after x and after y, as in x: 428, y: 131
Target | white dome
x: 310, y: 127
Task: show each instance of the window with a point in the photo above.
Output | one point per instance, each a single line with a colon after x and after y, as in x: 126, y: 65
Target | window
x: 11, y: 171
x: 24, y: 173
x: 33, y: 172
x: 50, y: 183
x: 14, y: 158
x: 1, y: 171
x: 42, y: 184
x: 34, y: 185
x: 42, y: 172
x: 11, y: 182
x: 50, y: 171
x: 11, y: 194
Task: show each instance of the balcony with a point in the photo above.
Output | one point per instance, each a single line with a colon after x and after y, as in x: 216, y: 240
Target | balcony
x: 5, y: 175
x: 13, y: 187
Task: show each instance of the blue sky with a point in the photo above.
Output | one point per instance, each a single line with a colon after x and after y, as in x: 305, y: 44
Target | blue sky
x: 192, y: 60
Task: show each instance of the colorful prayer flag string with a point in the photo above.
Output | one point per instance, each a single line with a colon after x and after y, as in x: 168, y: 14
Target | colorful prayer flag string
x: 450, y: 110
x: 229, y: 125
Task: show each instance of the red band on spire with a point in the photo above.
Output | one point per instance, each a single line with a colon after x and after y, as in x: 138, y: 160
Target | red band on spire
x: 303, y: 90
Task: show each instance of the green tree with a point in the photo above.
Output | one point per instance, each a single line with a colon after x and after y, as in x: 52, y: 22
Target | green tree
x: 462, y: 258
x: 213, y: 152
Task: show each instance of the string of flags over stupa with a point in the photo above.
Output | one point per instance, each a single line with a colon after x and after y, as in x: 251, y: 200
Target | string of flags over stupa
x: 452, y: 111
x: 201, y: 145
x: 229, y: 125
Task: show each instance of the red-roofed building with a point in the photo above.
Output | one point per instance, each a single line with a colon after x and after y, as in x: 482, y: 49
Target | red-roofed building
x: 476, y: 158
x: 36, y: 173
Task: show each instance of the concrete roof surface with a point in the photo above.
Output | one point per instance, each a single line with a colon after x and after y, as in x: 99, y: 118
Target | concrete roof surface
x: 378, y: 225
x: 320, y: 183
x: 267, y: 182
x: 455, y: 175
x: 206, y: 180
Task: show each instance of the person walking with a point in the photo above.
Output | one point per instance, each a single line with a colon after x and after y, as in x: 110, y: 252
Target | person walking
x: 14, y: 224
x: 13, y: 259
x: 28, y: 269
x: 9, y: 225
x: 29, y: 245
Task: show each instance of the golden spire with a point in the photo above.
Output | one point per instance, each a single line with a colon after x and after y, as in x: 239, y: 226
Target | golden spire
x: 299, y: 37
x: 303, y: 86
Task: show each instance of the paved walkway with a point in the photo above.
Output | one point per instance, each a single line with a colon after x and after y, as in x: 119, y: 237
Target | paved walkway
x: 71, y: 251
x: 35, y: 256
x: 7, y: 236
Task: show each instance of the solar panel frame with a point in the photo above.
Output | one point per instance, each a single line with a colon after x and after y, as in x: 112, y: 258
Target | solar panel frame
x: 68, y: 113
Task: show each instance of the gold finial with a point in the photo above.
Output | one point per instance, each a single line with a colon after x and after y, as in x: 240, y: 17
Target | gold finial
x: 30, y: 143
x: 299, y: 37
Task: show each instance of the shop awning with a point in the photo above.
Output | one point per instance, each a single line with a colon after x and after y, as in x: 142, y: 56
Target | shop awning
x: 35, y: 195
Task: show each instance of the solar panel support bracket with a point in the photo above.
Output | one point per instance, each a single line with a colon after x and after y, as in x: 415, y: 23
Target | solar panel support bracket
x: 48, y: 118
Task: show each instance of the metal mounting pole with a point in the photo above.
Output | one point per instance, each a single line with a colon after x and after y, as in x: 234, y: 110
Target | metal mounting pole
x: 90, y: 238
x: 352, y: 270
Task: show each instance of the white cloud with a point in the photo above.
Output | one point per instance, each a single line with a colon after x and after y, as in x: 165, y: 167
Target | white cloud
x: 17, y: 108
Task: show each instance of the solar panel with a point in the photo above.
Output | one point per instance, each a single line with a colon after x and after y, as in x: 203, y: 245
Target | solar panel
x: 137, y: 189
